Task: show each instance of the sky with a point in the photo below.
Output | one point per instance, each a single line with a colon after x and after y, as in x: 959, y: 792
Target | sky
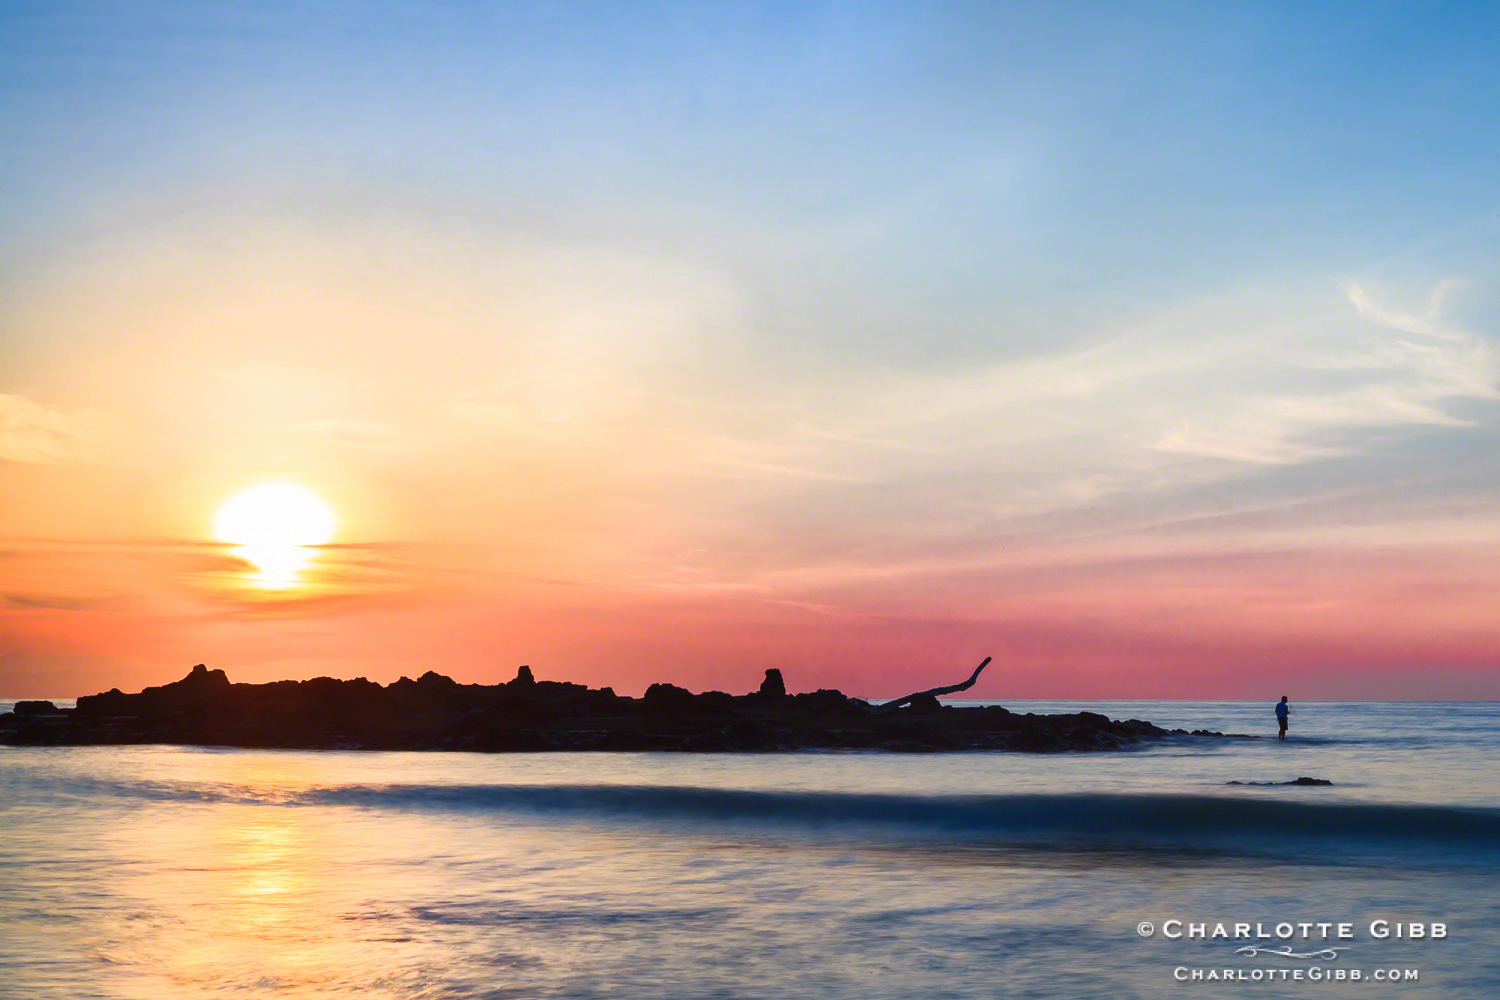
x: 1150, y: 349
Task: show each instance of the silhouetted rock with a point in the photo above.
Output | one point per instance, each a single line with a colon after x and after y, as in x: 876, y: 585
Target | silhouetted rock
x: 773, y: 686
x: 1298, y: 781
x: 436, y: 712
x: 201, y: 676
x: 111, y: 702
x: 923, y: 704
x: 36, y: 708
x: 670, y: 698
x: 828, y: 703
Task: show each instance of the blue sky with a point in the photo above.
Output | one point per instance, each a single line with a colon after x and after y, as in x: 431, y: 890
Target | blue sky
x: 1163, y: 146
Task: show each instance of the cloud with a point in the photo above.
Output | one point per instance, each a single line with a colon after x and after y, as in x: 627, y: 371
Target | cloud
x: 1211, y: 390
x: 54, y: 603
x: 1406, y: 367
x: 48, y: 435
x: 1198, y: 408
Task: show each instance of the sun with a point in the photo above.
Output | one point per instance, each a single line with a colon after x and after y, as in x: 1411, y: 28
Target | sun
x: 274, y: 525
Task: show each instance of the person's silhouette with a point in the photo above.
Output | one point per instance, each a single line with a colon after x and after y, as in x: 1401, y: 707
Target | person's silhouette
x: 1282, y: 709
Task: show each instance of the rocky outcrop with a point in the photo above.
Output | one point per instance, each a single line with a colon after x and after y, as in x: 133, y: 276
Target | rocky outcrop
x: 773, y: 686
x: 435, y: 712
x: 1297, y: 781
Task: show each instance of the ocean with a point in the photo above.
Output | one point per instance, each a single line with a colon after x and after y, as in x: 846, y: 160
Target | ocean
x: 166, y: 872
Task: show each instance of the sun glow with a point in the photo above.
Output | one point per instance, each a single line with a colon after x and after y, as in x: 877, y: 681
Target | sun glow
x: 275, y: 525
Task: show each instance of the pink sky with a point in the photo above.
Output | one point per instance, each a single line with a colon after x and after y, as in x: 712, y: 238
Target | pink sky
x: 559, y: 470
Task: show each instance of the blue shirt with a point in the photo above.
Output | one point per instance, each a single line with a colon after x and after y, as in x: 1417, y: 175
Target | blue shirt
x: 1281, y: 710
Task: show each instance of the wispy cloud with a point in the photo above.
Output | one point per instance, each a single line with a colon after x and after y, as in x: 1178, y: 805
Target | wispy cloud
x: 50, y: 602
x: 38, y: 433
x: 1212, y: 390
x: 1083, y: 455
x: 1405, y: 367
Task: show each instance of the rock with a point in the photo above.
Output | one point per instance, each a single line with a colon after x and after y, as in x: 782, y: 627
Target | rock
x: 923, y: 704
x: 773, y: 686
x: 111, y: 702
x: 669, y: 699
x: 1298, y: 781
x: 200, y: 676
x: 36, y: 708
x: 717, y: 702
x: 524, y: 714
x: 826, y: 702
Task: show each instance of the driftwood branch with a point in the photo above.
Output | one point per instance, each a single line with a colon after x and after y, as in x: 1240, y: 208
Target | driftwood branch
x: 891, y: 706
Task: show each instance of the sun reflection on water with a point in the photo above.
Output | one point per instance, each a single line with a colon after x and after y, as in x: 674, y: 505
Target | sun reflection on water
x: 252, y: 891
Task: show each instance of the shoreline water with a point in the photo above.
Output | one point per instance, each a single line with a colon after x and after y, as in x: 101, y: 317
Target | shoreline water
x: 154, y: 871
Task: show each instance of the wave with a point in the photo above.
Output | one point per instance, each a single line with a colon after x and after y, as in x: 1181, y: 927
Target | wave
x: 1207, y: 822
x: 1106, y: 817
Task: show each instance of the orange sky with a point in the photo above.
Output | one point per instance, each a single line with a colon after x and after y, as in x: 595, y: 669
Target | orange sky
x: 521, y: 473
x: 674, y: 361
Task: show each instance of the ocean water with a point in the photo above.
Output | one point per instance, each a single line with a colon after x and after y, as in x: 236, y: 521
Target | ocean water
x: 165, y: 872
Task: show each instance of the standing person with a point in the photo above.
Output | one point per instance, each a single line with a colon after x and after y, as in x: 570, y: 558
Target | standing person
x: 1282, y: 710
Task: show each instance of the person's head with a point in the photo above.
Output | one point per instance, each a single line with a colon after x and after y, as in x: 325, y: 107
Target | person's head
x: 1283, y: 697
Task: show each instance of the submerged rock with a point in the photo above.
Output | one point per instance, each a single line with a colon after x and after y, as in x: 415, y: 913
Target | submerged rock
x: 1297, y: 781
